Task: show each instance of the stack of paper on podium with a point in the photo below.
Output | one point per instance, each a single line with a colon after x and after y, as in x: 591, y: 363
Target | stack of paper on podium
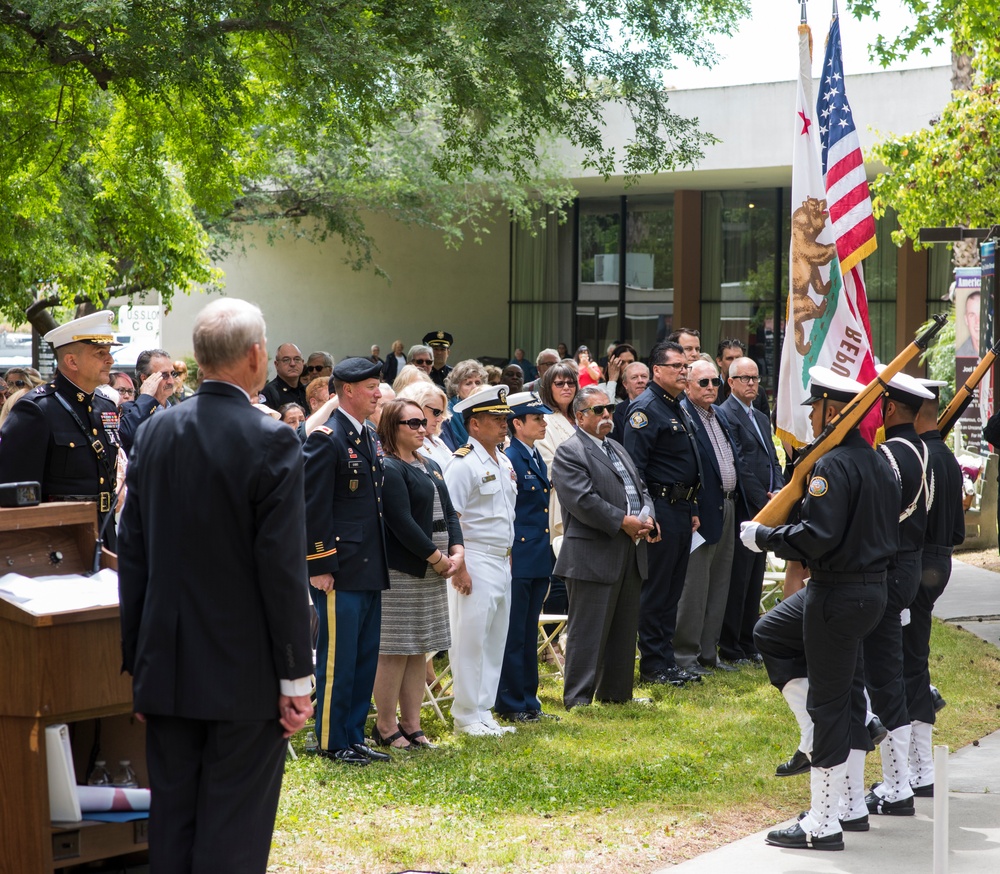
x: 55, y: 594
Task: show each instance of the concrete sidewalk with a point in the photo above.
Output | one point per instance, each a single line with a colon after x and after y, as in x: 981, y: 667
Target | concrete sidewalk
x: 906, y: 844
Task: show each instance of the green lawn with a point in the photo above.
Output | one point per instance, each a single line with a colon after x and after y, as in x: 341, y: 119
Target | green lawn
x: 608, y: 789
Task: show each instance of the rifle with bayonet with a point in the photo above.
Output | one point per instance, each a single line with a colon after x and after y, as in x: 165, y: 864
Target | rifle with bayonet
x: 963, y: 396
x: 777, y: 510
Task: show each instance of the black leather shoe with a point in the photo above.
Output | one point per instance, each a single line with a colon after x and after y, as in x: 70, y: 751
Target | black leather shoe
x: 858, y: 824
x: 660, y: 678
x: 939, y: 702
x: 374, y: 755
x: 743, y: 663
x: 519, y: 716
x: 793, y: 838
x: 722, y: 666
x: 877, y: 731
x: 541, y: 714
x: 923, y: 791
x: 756, y: 659
x: 698, y: 670
x: 797, y: 764
x: 889, y: 808
x: 347, y: 756
x: 677, y: 673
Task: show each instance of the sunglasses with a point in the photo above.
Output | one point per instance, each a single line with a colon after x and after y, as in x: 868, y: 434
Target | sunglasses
x: 414, y: 424
x: 564, y: 383
x: 171, y: 374
x: 707, y: 381
x: 315, y: 368
x: 20, y: 383
x: 419, y: 361
x: 598, y: 409
x: 435, y: 411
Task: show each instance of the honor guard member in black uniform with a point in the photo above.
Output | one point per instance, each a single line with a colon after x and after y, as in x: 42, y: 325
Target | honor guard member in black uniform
x: 63, y: 435
x: 347, y: 561
x: 440, y: 343
x: 531, y: 561
x: 908, y: 455
x: 659, y: 436
x: 945, y: 530
x: 846, y: 535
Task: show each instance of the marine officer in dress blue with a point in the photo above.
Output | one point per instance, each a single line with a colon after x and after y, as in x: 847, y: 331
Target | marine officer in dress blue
x: 531, y: 561
x: 660, y: 438
x: 64, y: 436
x: 347, y: 562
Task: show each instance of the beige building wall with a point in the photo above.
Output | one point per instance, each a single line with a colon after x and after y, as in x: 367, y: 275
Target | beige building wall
x: 312, y: 298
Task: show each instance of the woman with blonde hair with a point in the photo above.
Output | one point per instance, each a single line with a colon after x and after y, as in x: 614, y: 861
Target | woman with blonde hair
x: 410, y: 373
x: 431, y: 399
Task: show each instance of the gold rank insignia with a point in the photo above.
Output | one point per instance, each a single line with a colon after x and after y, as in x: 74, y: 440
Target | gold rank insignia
x: 462, y: 451
x: 638, y: 419
x: 818, y: 487
x: 79, y: 397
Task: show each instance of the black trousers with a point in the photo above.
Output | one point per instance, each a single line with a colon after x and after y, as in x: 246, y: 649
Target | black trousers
x: 518, y: 689
x: 936, y: 571
x: 778, y: 638
x: 836, y: 619
x: 743, y: 605
x: 884, y: 646
x: 668, y: 561
x: 215, y: 788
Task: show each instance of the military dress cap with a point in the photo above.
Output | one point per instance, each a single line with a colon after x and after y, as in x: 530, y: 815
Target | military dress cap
x: 825, y: 385
x: 524, y: 403
x: 357, y: 370
x: 441, y: 339
x: 490, y: 399
x: 905, y: 388
x: 94, y: 328
x: 932, y: 385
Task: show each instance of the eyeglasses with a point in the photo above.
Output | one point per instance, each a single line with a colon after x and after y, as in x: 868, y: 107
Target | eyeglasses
x: 414, y: 424
x: 170, y: 374
x: 676, y: 365
x: 419, y: 361
x: 707, y: 381
x: 564, y: 383
x: 287, y: 360
x: 598, y: 409
x: 747, y: 380
x: 434, y: 411
x: 314, y: 368
x: 126, y: 392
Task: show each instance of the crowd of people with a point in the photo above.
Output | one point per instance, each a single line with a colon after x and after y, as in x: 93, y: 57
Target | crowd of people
x: 445, y: 506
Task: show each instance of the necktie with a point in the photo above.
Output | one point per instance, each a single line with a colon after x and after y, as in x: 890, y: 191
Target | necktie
x: 634, y: 502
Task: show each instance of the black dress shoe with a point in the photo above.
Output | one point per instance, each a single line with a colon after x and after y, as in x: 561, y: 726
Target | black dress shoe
x: 541, y: 714
x: 877, y: 731
x: 346, y: 756
x: 923, y: 791
x: 904, y: 807
x: 858, y: 824
x: 374, y: 755
x: 698, y: 670
x: 660, y: 678
x: 939, y: 702
x: 742, y: 663
x: 793, y: 838
x: 756, y: 659
x: 681, y: 674
x: 520, y: 716
x: 722, y: 666
x: 797, y: 764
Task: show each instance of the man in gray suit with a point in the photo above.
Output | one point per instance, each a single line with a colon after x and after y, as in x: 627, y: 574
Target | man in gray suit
x: 763, y: 476
x: 603, y: 553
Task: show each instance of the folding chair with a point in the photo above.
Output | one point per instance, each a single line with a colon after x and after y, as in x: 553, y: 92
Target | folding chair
x: 547, y: 639
x: 443, y: 680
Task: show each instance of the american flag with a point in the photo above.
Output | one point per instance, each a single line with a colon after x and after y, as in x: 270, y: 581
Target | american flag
x: 847, y: 193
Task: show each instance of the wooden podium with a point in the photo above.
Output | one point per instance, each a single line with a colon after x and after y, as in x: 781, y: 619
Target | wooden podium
x: 62, y: 667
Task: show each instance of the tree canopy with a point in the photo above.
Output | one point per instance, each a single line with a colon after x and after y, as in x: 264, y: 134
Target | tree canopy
x: 948, y: 173
x: 138, y: 134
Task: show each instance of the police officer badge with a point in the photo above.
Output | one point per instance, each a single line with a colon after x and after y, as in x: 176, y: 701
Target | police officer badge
x: 638, y: 419
x: 818, y: 487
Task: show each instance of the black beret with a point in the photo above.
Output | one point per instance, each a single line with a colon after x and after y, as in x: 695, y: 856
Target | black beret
x: 357, y: 370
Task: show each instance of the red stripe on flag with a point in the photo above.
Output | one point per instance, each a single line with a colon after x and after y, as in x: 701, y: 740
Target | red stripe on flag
x: 853, y: 160
x: 855, y: 238
x: 849, y: 200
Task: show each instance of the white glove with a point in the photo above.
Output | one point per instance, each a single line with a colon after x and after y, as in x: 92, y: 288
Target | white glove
x: 748, y: 534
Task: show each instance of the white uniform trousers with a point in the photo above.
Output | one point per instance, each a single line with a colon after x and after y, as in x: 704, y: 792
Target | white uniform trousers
x: 479, y: 624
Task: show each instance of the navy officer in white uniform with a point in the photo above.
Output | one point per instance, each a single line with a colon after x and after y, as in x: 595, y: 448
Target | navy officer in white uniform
x: 483, y: 488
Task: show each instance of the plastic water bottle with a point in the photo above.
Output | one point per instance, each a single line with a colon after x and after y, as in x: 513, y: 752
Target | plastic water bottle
x: 312, y: 745
x: 125, y: 777
x: 99, y: 776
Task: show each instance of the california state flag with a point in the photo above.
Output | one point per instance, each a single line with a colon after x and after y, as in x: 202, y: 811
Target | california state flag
x: 825, y: 323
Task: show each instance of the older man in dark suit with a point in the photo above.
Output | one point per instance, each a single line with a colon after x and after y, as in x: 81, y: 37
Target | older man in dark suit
x: 606, y: 519
x: 720, y: 501
x: 762, y: 470
x: 216, y: 639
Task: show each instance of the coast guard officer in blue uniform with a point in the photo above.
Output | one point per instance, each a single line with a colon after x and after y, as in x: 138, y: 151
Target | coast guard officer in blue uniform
x: 347, y: 561
x: 531, y: 561
x: 660, y: 438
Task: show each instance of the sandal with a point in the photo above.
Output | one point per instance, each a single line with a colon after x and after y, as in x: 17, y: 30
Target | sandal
x: 417, y: 739
x: 388, y: 741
